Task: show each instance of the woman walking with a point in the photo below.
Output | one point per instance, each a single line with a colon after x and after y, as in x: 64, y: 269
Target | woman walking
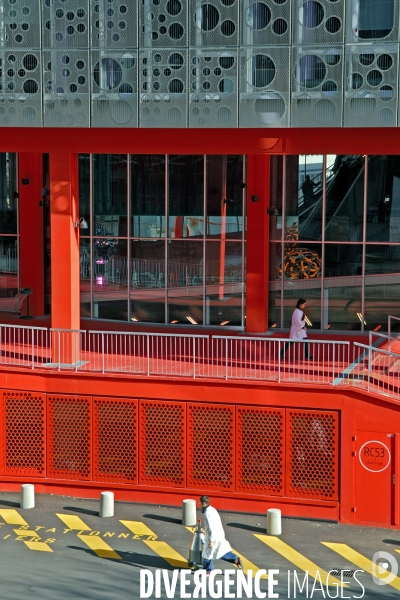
x: 298, y: 330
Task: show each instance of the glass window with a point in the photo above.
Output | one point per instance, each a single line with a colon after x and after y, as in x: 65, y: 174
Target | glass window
x: 383, y: 199
x: 110, y: 194
x: 382, y: 284
x: 304, y: 175
x: 110, y: 289
x: 185, y: 282
x: 275, y: 197
x: 344, y: 199
x: 186, y: 196
x: 84, y: 190
x: 373, y: 18
x: 8, y: 266
x: 147, y: 275
x: 224, y: 287
x: 224, y: 192
x: 147, y: 195
x: 85, y: 277
x: 8, y: 195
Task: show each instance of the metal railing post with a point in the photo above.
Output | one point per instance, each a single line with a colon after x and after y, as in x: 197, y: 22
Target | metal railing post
x: 148, y: 353
x: 102, y: 352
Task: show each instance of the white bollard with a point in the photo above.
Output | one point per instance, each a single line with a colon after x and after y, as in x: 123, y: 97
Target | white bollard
x: 106, y: 504
x: 274, y: 521
x: 27, y: 495
x: 189, y: 513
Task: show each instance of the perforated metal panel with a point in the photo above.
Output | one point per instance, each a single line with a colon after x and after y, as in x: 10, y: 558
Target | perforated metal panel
x: 69, y: 426
x: 318, y: 22
x: 66, y: 88
x: 260, y: 443
x: 20, y: 93
x: 312, y: 455
x: 65, y: 24
x: 115, y: 456
x: 113, y: 25
x: 211, y: 458
x: 23, y: 438
x: 214, y: 23
x: 264, y: 87
x: 317, y: 87
x: 163, y: 86
x: 162, y: 443
x: 114, y: 89
x: 265, y: 20
x: 20, y: 24
x: 371, y: 86
x: 213, y: 77
x: 355, y: 22
x: 163, y: 24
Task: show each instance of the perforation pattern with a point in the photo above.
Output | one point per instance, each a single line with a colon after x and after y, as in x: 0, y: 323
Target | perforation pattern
x: 318, y: 22
x: 114, y: 89
x: 214, y: 23
x: 260, y: 444
x: 162, y: 443
x: 20, y: 24
x: 312, y: 454
x: 317, y: 87
x: 163, y: 24
x: 20, y: 89
x: 213, y: 88
x: 23, y: 437
x: 162, y: 80
x: 115, y: 440
x: 66, y: 88
x: 264, y: 87
x: 371, y: 86
x: 65, y: 23
x: 265, y: 20
x: 113, y: 24
x: 210, y: 447
x: 69, y: 443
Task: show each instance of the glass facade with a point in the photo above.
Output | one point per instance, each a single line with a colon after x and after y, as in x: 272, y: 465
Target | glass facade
x: 165, y: 238
x: 335, y: 240
x: 9, y: 272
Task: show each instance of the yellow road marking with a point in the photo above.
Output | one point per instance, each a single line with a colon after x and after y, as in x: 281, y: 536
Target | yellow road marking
x: 296, y: 558
x: 361, y: 561
x: 247, y: 565
x: 26, y: 533
x: 166, y: 552
x: 99, y: 546
x: 138, y: 528
x: 73, y: 522
x: 12, y: 517
x: 41, y: 546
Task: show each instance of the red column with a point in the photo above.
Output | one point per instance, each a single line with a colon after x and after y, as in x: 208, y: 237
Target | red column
x: 65, y: 297
x: 31, y: 258
x: 257, y: 244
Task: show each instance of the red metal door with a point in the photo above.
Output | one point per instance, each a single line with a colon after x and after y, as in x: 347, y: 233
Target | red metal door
x: 374, y: 476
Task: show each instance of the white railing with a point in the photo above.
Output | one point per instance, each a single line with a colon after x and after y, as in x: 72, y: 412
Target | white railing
x: 265, y: 359
x: 225, y: 357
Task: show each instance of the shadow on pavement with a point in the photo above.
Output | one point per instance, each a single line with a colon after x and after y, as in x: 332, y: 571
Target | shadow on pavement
x: 164, y: 518
x: 135, y: 559
x: 246, y: 527
x: 85, y: 511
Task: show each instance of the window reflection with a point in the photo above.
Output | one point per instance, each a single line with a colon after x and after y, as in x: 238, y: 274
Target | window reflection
x: 373, y: 18
x: 147, y: 273
x: 383, y: 199
x: 109, y: 280
x: 224, y: 204
x: 304, y: 186
x: 185, y: 282
x: 344, y: 198
x: 110, y: 194
x: 8, y: 266
x: 8, y: 195
x: 224, y: 286
x: 147, y: 195
x: 186, y: 196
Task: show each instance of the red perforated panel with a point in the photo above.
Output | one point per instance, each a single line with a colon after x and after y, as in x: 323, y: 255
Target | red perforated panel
x: 260, y: 450
x: 162, y: 443
x: 211, y: 460
x: 115, y: 440
x: 69, y: 437
x: 312, y: 455
x: 23, y: 438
